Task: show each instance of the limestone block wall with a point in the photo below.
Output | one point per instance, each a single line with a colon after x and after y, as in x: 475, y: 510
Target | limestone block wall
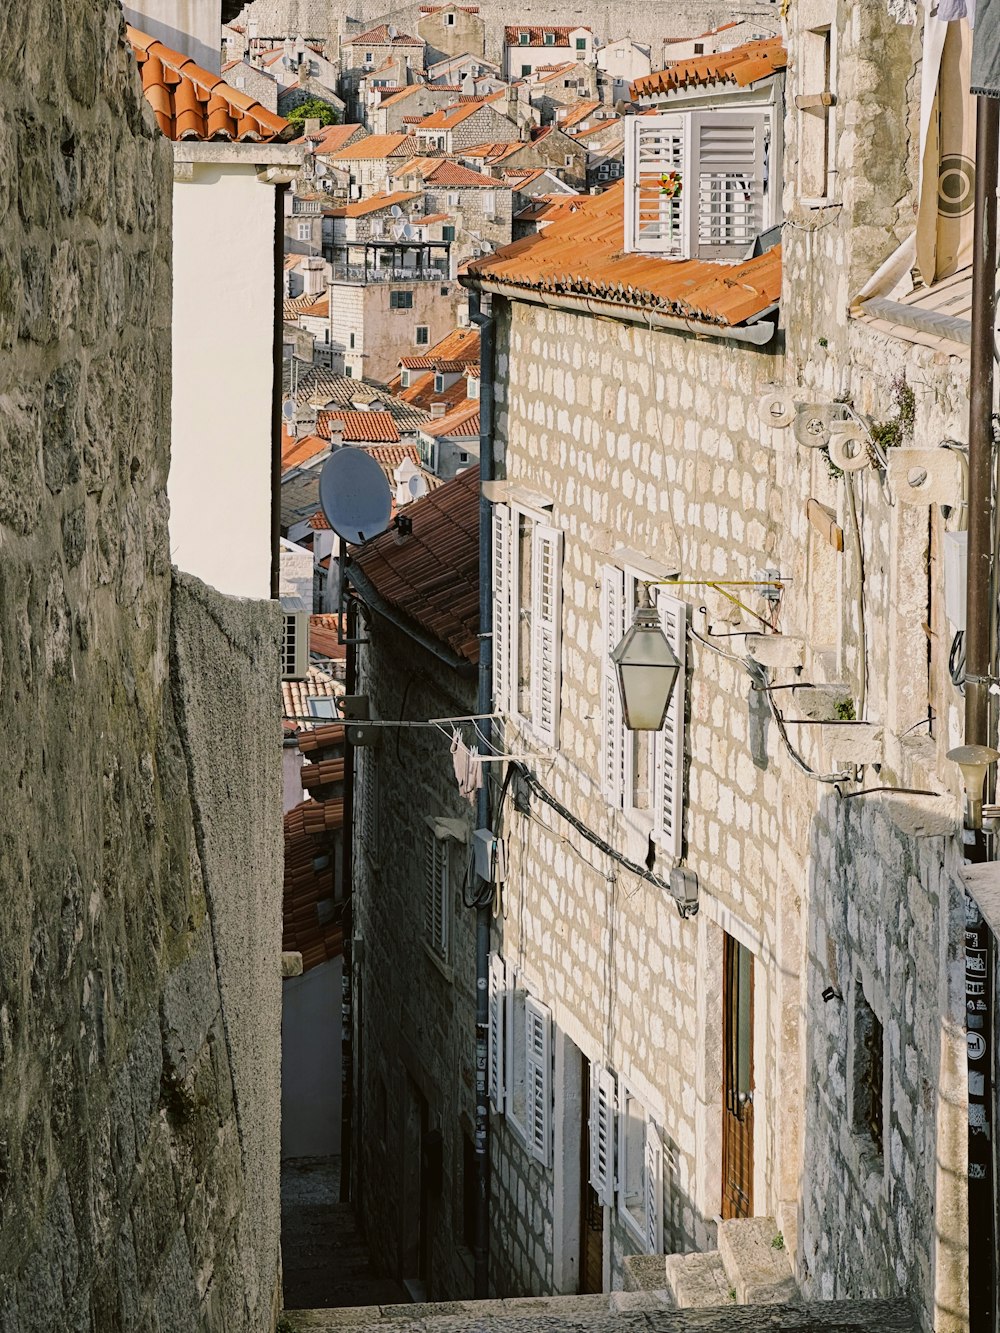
x: 138, y: 1182
x: 416, y: 1014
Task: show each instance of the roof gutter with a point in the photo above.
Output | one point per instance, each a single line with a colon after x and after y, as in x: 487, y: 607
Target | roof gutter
x: 758, y: 335
x: 365, y: 589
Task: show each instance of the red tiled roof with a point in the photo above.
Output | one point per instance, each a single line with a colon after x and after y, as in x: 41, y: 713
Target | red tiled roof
x: 318, y: 310
x: 545, y: 73
x: 461, y: 422
x: 375, y: 146
x: 742, y: 65
x: 432, y: 575
x: 301, y: 451
x: 583, y: 255
x: 550, y: 207
x: 379, y: 36
x: 323, y: 632
x: 389, y: 457
x: 443, y: 172
x: 450, y: 116
x: 359, y: 427
x: 431, y: 217
x: 460, y: 346
x: 312, y: 922
x: 536, y: 35
x: 190, y: 102
x: 376, y: 202
x: 332, y: 138
x: 422, y: 393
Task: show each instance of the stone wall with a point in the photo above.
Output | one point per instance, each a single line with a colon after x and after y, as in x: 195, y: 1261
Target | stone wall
x: 416, y: 1013
x: 137, y: 1180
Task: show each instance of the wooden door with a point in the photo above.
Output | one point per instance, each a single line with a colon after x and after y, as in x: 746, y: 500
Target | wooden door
x: 591, y: 1208
x: 737, y: 1080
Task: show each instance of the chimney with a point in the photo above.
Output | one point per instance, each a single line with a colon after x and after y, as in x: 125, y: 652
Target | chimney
x: 336, y: 436
x: 312, y: 126
x: 438, y: 410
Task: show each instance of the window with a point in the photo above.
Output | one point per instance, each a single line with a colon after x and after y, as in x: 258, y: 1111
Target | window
x: 525, y: 71
x: 320, y: 706
x: 449, y: 20
x: 489, y: 202
x: 463, y: 458
x: 472, y: 386
x: 404, y: 379
x: 349, y: 373
x: 568, y: 160
x: 527, y: 619
x: 368, y: 58
x: 643, y: 772
x: 581, y: 43
x: 869, y: 1071
x: 423, y: 335
x: 602, y: 1133
x: 550, y: 39
x: 438, y: 382
x: 699, y: 48
x: 529, y: 1068
x: 445, y: 290
x: 437, y: 894
x: 815, y: 106
x: 447, y: 232
x: 304, y: 231
x: 453, y: 199
x: 350, y: 341
x: 400, y: 300
x: 523, y: 38
x: 718, y: 196
x: 640, y: 1171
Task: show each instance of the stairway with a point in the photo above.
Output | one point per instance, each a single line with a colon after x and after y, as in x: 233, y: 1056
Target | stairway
x: 750, y: 1267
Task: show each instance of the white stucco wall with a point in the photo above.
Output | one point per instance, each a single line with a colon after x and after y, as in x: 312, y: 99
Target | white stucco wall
x: 190, y: 26
x: 310, y: 1062
x: 223, y: 309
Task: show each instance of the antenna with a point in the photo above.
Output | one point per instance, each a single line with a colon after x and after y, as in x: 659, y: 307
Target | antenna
x: 288, y: 409
x: 355, y: 496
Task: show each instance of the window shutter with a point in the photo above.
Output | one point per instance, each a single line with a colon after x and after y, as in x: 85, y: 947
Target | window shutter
x: 602, y: 1133
x: 656, y: 222
x: 503, y: 575
x: 728, y: 202
x: 612, y: 719
x: 653, y: 1188
x: 668, y: 787
x: 498, y: 993
x: 436, y: 895
x: 537, y: 1082
x: 546, y: 625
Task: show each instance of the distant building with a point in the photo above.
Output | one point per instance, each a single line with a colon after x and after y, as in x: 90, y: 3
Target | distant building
x: 618, y: 64
x: 527, y: 48
x: 451, y: 30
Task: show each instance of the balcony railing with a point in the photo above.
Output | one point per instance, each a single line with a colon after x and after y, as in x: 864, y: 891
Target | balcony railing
x: 386, y: 273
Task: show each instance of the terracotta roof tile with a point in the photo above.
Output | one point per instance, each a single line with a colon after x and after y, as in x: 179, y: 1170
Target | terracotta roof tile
x: 379, y: 36
x: 545, y: 74
x: 536, y: 35
x: 359, y: 427
x: 450, y: 116
x: 312, y: 921
x: 374, y: 147
x: 376, y: 202
x: 742, y: 65
x: 432, y: 575
x: 299, y: 452
x: 443, y: 172
x: 332, y: 138
x: 462, y: 422
x: 583, y: 255
x: 190, y: 102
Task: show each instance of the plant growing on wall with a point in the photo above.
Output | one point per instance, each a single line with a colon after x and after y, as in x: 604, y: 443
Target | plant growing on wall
x: 313, y: 108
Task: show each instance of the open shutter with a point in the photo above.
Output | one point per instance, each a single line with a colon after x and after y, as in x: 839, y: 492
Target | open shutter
x: 538, y: 1075
x: 602, y: 1133
x: 653, y: 1182
x: 436, y: 895
x: 728, y: 202
x: 503, y: 574
x: 612, y: 717
x: 498, y: 992
x: 546, y: 624
x: 668, y: 747
x: 655, y: 186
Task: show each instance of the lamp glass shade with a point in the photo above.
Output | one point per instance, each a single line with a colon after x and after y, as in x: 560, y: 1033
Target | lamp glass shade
x: 647, y: 669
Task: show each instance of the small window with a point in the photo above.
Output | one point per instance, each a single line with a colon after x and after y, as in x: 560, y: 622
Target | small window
x: 321, y: 707
x: 438, y: 383
x: 581, y: 43
x: 568, y: 160
x: 453, y: 199
x: 447, y: 234
x: 472, y: 387
x: 523, y: 38
x: 699, y: 48
x: 550, y: 39
x: 368, y: 57
x: 348, y: 372
x: 449, y: 20
x: 423, y: 335
x: 445, y: 290
x: 350, y: 341
x: 437, y: 894
x: 304, y: 231
x: 463, y: 458
x: 400, y: 300
x: 404, y: 379
x: 525, y: 71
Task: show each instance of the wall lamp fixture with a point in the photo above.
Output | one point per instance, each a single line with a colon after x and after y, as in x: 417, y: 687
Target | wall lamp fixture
x: 974, y: 761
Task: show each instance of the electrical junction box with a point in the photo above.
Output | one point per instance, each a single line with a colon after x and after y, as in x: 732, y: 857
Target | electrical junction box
x: 490, y: 856
x: 956, y: 564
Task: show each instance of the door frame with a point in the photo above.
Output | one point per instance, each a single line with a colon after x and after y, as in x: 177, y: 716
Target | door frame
x: 738, y: 1083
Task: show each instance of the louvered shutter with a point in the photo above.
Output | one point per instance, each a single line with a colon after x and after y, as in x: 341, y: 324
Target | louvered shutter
x: 602, y: 1133
x: 546, y: 625
x: 612, y: 716
x: 498, y: 997
x: 668, y: 746
x: 537, y: 1081
x: 653, y: 1189
x: 655, y: 215
x: 728, y: 203
x: 436, y: 895
x: 503, y: 576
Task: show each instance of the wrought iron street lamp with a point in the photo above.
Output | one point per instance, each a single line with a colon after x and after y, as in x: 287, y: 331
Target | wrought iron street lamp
x: 647, y: 669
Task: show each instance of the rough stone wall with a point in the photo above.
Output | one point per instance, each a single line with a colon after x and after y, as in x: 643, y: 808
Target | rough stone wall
x: 470, y: 219
x: 127, y: 1195
x: 417, y: 1015
x: 465, y: 36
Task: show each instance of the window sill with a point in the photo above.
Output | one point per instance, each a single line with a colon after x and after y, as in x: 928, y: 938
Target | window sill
x: 446, y: 972
x: 825, y: 201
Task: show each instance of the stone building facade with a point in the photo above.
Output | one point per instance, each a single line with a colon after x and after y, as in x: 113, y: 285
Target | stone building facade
x: 141, y: 859
x: 452, y: 30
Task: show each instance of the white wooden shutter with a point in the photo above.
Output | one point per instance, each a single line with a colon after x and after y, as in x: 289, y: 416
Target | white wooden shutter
x: 727, y: 155
x: 436, y: 895
x: 602, y: 1133
x: 612, y: 716
x: 653, y: 1189
x: 546, y: 626
x: 668, y: 751
x: 503, y: 576
x: 538, y: 1078
x: 656, y: 222
x: 498, y: 992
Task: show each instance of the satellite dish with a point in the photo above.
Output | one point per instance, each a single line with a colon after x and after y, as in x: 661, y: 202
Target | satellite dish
x: 486, y: 247
x: 393, y: 32
x: 355, y: 496
x: 407, y: 232
x: 321, y: 169
x: 396, y: 211
x: 417, y: 486
x: 288, y: 409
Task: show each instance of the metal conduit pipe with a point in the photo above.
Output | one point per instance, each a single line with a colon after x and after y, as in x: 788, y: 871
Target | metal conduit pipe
x: 759, y: 335
x: 487, y: 344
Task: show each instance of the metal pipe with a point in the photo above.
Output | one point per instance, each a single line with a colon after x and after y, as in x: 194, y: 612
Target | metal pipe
x: 759, y: 335
x: 278, y: 363
x: 347, y: 974
x: 487, y: 344
x: 979, y: 939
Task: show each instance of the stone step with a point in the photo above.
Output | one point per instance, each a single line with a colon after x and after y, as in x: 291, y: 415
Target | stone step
x: 756, y: 1262
x: 698, y: 1280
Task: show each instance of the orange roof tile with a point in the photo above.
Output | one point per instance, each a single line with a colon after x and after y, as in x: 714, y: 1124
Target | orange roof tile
x: 450, y: 116
x: 318, y: 310
x: 577, y: 113
x: 376, y: 202
x: 431, y: 217
x: 583, y: 255
x: 301, y: 451
x: 536, y: 35
x: 742, y: 65
x: 312, y: 922
x: 546, y: 74
x: 358, y: 427
x: 376, y: 146
x: 443, y: 172
x: 462, y: 421
x: 332, y: 138
x: 549, y: 207
x: 323, y: 635
x: 432, y: 575
x: 379, y: 36
x: 190, y: 102
x: 422, y: 393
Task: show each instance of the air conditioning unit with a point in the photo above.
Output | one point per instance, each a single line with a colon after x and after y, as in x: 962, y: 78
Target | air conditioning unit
x: 295, y: 646
x: 489, y: 217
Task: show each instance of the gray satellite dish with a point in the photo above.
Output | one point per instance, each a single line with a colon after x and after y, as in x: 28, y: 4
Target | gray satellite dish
x: 417, y: 486
x: 393, y: 32
x: 288, y: 408
x: 355, y: 495
x: 396, y: 211
x: 407, y: 233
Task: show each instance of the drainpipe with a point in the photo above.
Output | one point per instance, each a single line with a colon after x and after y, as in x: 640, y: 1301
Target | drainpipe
x: 979, y: 667
x: 347, y: 887
x: 278, y: 359
x: 484, y: 704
